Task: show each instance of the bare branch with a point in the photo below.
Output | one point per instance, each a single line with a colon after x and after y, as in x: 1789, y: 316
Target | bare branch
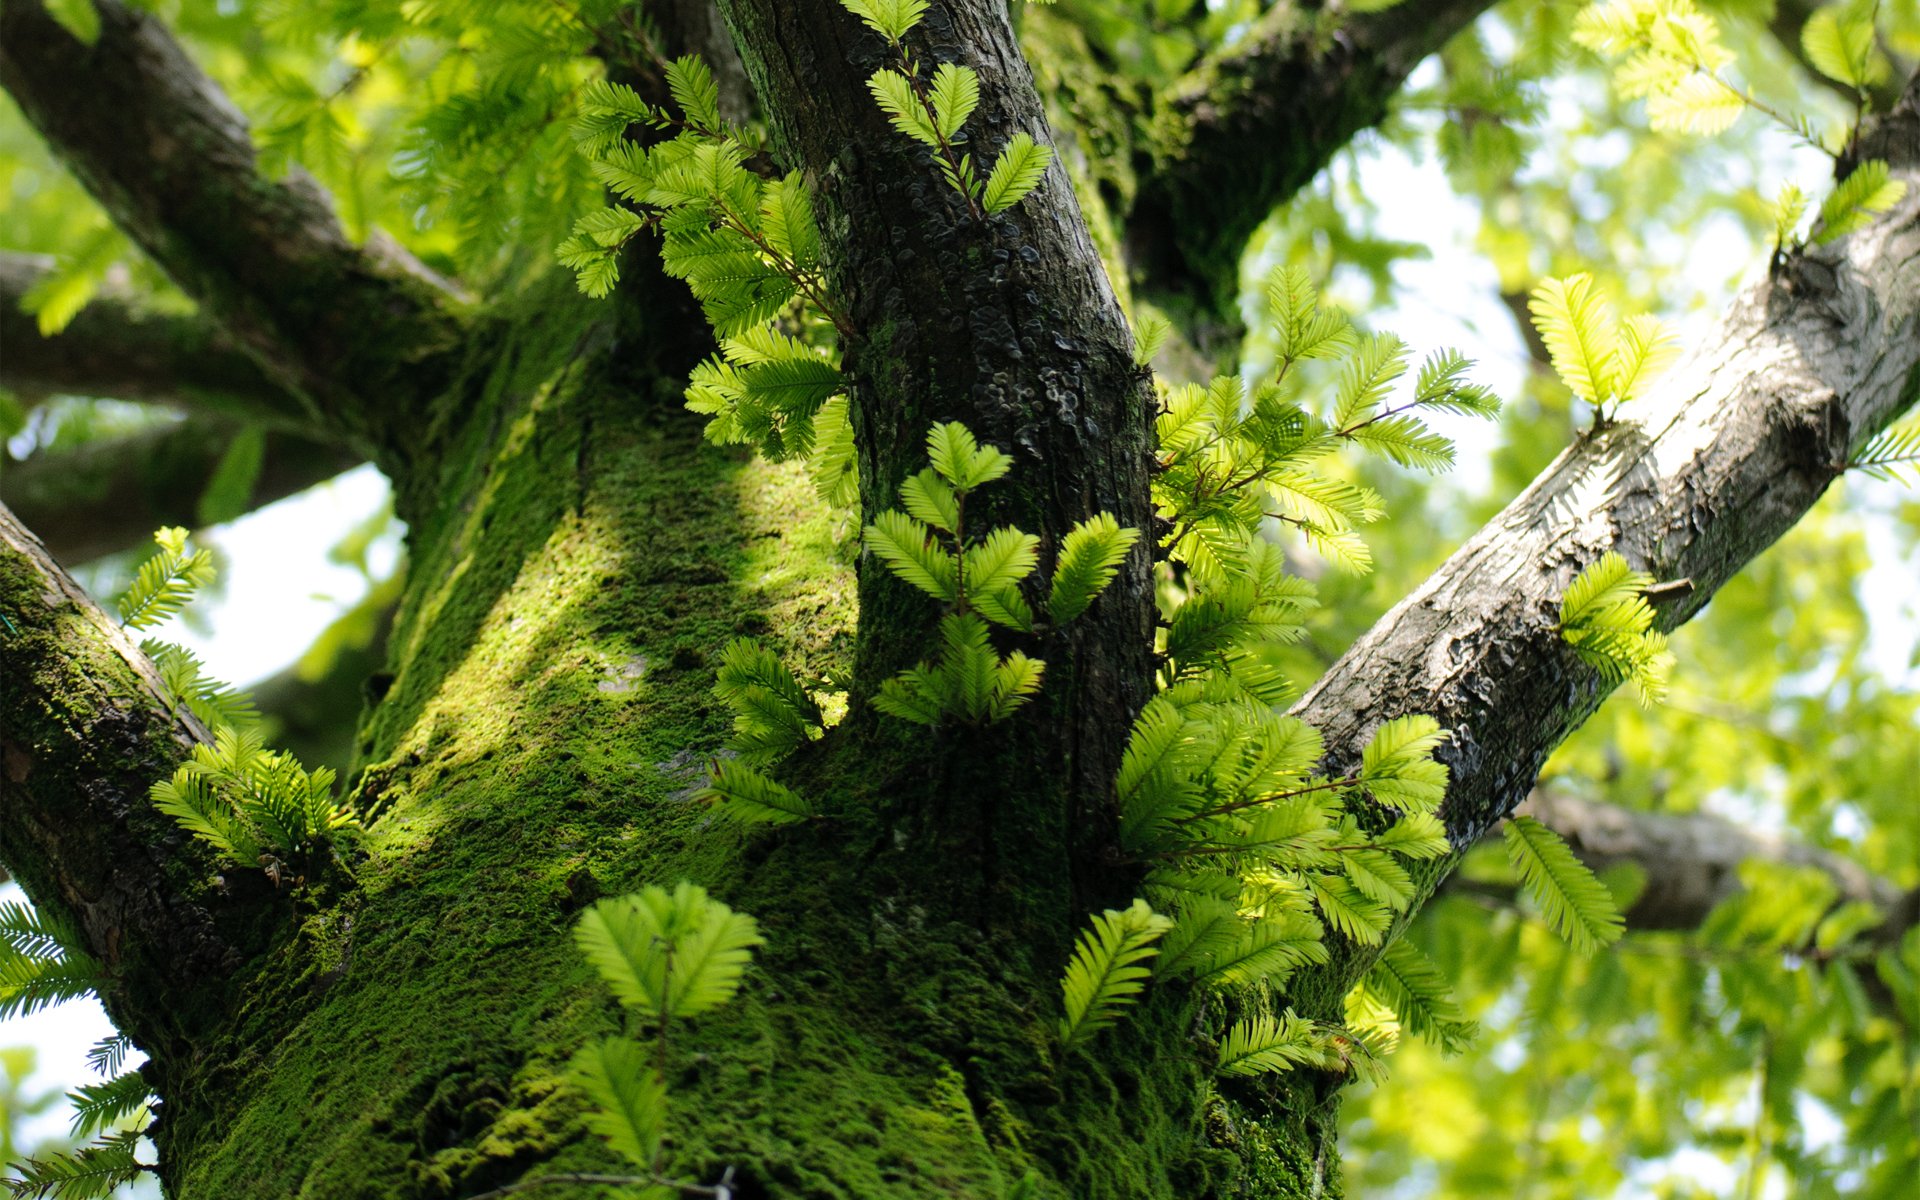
x: 84, y: 732
x: 1731, y: 450
x: 1691, y: 860
x: 115, y: 350
x: 356, y: 332
x: 1249, y: 127
x: 111, y: 495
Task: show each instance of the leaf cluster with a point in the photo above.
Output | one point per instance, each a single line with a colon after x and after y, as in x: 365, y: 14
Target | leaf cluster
x: 1602, y: 360
x: 253, y: 805
x: 933, y: 110
x: 1605, y: 617
x: 666, y: 956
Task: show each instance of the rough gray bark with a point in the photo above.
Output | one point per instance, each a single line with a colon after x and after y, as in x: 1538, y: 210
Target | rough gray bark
x: 1729, y: 451
x: 106, y: 496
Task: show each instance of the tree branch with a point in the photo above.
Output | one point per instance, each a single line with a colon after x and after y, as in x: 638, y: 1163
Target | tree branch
x: 1691, y: 860
x: 111, y: 495
x: 114, y: 350
x: 84, y: 732
x: 1252, y: 125
x: 1732, y: 449
x: 359, y: 333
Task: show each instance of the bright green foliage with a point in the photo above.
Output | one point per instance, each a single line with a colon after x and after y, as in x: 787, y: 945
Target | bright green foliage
x: 668, y: 955
x: 1605, y: 617
x: 252, y: 804
x: 749, y: 250
x: 1231, y: 462
x: 166, y: 581
x: 1421, y: 999
x: 1672, y: 57
x: 1839, y: 42
x: 41, y: 962
x: 1018, y: 171
x: 969, y: 681
x: 216, y: 703
x: 109, y: 1054
x: 1397, y: 768
x: 932, y: 111
x: 772, y: 713
x: 1264, y: 1043
x: 1577, y: 906
x: 1889, y: 452
x: 89, y: 1173
x: 747, y: 796
x: 1866, y: 192
x: 630, y: 1099
x: 979, y: 580
x: 1106, y: 972
x: 97, y: 1107
x: 1603, y: 361
x: 1090, y: 556
x: 891, y: 19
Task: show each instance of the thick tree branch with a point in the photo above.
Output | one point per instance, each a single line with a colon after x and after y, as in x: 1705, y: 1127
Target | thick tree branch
x: 361, y: 334
x: 1249, y: 127
x: 84, y: 732
x: 1691, y: 861
x: 106, y: 496
x: 114, y: 350
x: 1733, y: 448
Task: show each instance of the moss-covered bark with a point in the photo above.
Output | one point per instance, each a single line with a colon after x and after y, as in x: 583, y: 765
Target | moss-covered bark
x: 547, y: 716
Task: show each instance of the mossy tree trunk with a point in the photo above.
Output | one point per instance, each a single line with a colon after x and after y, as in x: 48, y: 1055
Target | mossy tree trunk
x: 398, y: 1025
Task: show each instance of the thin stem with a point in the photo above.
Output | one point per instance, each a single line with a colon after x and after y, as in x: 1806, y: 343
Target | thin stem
x: 1237, y: 805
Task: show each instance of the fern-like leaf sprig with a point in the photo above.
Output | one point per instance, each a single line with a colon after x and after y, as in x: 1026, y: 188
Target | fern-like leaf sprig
x: 928, y: 544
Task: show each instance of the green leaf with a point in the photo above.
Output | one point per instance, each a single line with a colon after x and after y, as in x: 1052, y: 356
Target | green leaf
x: 1398, y: 769
x: 1575, y: 904
x: 230, y: 487
x: 165, y: 582
x: 1788, y: 208
x: 962, y: 461
x: 629, y: 1098
x: 1701, y: 105
x: 1379, y: 360
x: 186, y: 681
x: 1006, y: 557
x: 1646, y: 347
x: 833, y: 469
x: 773, y: 714
x: 1261, y: 1044
x: 41, y: 961
x: 1869, y: 191
x: 694, y: 91
x: 1090, y: 557
x: 890, y: 18
x: 787, y: 222
x: 1149, y: 335
x: 1016, y: 172
x: 1839, y: 42
x: 1269, y: 952
x: 1420, y: 997
x: 89, y: 1173
x: 929, y: 499
x: 99, y: 1106
x: 668, y: 955
x: 1884, y: 455
x: 896, y: 97
x: 1106, y: 972
x: 745, y: 795
x: 1304, y: 330
x: 955, y: 94
x: 1418, y: 835
x: 908, y: 549
x: 1579, y: 334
